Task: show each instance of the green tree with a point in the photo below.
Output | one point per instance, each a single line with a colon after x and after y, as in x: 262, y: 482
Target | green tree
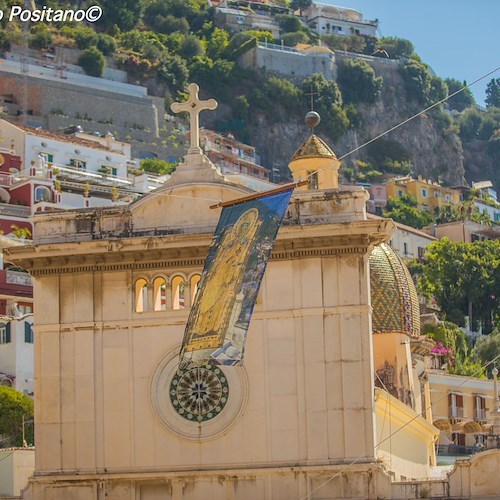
x: 191, y: 47
x: 493, y: 93
x: 157, y: 166
x: 405, y: 211
x: 300, y: 5
x: 217, y: 43
x: 438, y: 89
x: 469, y: 123
x: 124, y: 14
x: 395, y: 47
x: 327, y: 91
x: 92, y: 61
x: 488, y: 348
x: 169, y: 16
x: 15, y: 405
x: 462, y: 359
x: 358, y: 82
x: 138, y: 41
x: 463, y: 99
x: 349, y: 43
x: 417, y: 80
x: 328, y: 103
x: 238, y: 39
x: 173, y: 71
x: 288, y: 23
x: 85, y: 37
x: 41, y: 39
x: 463, y: 278
x: 106, y: 44
x: 292, y: 39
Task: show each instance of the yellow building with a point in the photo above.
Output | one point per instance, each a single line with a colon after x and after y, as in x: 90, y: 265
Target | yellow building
x: 430, y: 195
x: 463, y: 409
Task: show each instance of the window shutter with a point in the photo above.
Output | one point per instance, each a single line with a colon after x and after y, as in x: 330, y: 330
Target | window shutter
x: 7, y: 333
x: 27, y: 333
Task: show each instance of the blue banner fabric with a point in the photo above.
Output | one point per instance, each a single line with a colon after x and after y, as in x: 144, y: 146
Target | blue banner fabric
x: 219, y: 319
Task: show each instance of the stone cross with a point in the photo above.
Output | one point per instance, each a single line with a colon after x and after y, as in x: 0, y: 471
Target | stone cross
x: 194, y: 106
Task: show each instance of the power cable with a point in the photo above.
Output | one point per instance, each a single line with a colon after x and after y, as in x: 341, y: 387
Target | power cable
x: 403, y: 426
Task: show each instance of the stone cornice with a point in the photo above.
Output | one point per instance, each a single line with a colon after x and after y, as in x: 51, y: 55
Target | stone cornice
x: 190, y: 250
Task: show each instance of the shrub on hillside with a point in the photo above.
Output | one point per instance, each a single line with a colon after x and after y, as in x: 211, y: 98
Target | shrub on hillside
x: 157, y: 166
x: 191, y: 47
x: 292, y: 39
x: 469, y: 123
x: 463, y: 99
x: 358, y: 82
x: 420, y: 84
x: 395, y: 47
x: 349, y: 43
x: 92, y: 61
x: 41, y: 39
x: 106, y: 44
x: 288, y: 23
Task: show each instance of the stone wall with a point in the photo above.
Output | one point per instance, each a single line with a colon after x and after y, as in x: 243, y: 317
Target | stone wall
x: 47, y: 97
x: 285, y: 61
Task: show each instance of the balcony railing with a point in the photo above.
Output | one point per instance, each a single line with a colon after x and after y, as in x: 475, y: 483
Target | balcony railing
x: 455, y: 450
x: 18, y: 278
x: 15, y: 210
x: 456, y: 412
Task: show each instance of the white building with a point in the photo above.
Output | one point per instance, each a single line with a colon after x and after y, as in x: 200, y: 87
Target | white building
x: 409, y: 242
x: 79, y: 170
x: 330, y: 19
x: 16, y: 352
x: 492, y: 209
x: 84, y: 152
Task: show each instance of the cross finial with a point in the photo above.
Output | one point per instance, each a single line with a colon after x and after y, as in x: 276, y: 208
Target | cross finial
x: 194, y: 106
x: 312, y: 94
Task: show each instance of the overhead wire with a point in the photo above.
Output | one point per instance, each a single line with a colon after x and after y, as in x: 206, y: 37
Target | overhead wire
x: 477, y: 372
x: 379, y: 136
x: 404, y: 122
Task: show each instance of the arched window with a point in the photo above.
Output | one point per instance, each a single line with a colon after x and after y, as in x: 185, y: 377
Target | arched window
x: 178, y: 292
x: 160, y: 294
x: 195, y: 280
x: 141, y: 295
x: 42, y: 193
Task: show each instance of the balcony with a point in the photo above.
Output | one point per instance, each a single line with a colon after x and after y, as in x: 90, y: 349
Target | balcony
x: 18, y: 278
x: 7, y: 179
x: 14, y: 210
x: 456, y: 412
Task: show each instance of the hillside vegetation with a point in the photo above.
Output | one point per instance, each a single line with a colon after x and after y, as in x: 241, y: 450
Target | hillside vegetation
x: 165, y: 44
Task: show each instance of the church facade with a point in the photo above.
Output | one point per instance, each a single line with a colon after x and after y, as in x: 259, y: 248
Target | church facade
x: 303, y: 418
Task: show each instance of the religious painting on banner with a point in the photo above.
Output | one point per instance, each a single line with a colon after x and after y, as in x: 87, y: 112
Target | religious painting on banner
x: 218, y: 323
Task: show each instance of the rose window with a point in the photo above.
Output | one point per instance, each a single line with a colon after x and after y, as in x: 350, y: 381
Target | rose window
x: 199, y: 394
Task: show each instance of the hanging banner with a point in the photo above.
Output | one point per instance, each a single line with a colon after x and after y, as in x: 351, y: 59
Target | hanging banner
x: 218, y: 323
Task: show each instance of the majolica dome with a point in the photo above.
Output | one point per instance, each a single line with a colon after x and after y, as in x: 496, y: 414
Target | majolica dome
x: 394, y: 296
x: 314, y: 147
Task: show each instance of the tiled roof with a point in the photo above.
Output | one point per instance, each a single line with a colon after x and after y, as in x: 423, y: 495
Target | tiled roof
x: 394, y: 297
x: 314, y: 147
x: 64, y: 138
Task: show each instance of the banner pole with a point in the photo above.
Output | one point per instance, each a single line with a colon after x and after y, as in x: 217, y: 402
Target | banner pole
x: 263, y: 194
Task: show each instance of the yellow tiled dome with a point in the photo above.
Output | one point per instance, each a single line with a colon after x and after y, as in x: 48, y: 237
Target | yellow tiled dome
x: 314, y: 147
x: 394, y: 296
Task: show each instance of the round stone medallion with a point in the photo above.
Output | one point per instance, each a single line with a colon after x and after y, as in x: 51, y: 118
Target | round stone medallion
x: 198, y: 403
x: 199, y: 394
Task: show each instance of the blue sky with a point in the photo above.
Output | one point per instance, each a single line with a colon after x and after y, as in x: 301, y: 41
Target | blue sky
x: 457, y: 38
